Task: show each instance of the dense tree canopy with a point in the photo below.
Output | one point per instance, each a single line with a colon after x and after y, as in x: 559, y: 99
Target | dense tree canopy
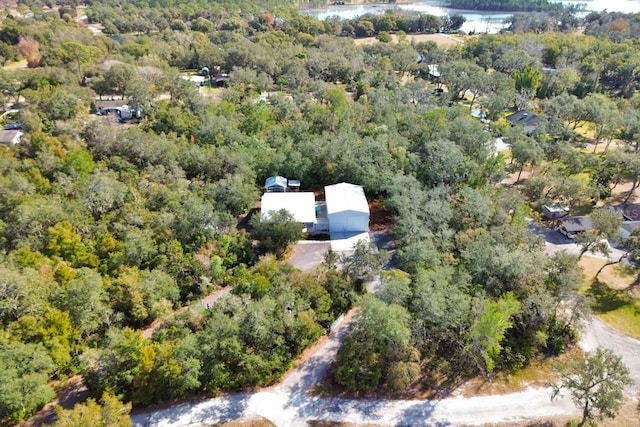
x: 109, y: 224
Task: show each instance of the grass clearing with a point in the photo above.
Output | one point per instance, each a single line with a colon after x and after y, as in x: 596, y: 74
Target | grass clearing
x: 612, y: 301
x: 616, y: 308
x: 616, y: 277
x: 538, y: 374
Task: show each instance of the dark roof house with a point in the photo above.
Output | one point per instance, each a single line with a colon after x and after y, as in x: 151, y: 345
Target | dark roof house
x: 630, y: 211
x: 524, y: 118
x: 577, y: 224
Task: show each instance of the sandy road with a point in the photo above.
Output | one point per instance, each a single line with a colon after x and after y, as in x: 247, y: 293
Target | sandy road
x: 290, y: 405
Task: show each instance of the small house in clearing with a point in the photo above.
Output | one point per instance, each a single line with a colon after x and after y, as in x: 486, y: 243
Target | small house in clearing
x: 347, y: 208
x: 302, y: 206
x: 555, y: 211
x: 572, y: 225
x: 10, y: 137
x: 275, y: 184
x: 524, y: 118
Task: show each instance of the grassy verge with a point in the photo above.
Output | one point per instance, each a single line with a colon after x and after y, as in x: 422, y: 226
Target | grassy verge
x: 613, y: 300
x: 538, y: 374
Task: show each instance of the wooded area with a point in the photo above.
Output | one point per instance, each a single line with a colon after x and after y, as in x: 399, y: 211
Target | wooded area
x: 106, y: 227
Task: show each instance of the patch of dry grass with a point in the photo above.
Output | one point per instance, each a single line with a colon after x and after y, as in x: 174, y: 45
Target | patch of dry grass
x: 613, y: 301
x: 537, y: 374
x: 616, y: 277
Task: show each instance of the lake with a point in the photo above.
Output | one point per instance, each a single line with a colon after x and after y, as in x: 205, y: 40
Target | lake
x: 490, y: 22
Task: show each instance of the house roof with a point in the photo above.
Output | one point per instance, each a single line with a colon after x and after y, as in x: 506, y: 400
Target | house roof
x: 556, y: 208
x: 478, y: 114
x: 629, y: 226
x: 523, y: 118
x: 345, y: 197
x: 301, y: 205
x: 630, y: 211
x: 575, y: 224
x: 276, y: 180
x: 9, y: 136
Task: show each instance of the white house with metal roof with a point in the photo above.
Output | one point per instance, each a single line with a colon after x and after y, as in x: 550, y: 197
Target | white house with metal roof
x: 347, y: 208
x: 302, y: 206
x: 275, y: 184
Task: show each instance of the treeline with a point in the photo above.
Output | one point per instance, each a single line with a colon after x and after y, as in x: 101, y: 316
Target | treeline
x: 506, y: 5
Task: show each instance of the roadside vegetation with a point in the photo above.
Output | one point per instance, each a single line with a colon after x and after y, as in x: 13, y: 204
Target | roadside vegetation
x: 106, y: 227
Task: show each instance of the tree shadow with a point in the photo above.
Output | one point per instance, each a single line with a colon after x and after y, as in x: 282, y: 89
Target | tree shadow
x: 606, y: 299
x: 420, y: 414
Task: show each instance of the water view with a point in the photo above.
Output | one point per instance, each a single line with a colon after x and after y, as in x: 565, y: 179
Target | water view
x: 490, y: 22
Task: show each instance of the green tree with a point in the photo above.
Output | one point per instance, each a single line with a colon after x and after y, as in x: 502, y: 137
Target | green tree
x: 116, y: 364
x: 491, y: 321
x: 606, y: 226
x: 117, y: 77
x: 442, y: 311
x: 64, y: 241
x: 79, y: 53
x: 86, y: 301
x: 276, y: 231
x: 527, y: 78
x: 110, y: 412
x: 563, y: 275
x: 384, y: 37
x: 526, y: 150
x: 378, y: 350
x: 24, y: 372
x: 603, y: 114
x: 364, y: 263
x: 54, y: 331
x: 596, y: 384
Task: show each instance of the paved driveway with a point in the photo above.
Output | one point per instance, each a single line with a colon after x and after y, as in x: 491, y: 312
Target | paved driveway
x: 555, y: 242
x: 307, y: 254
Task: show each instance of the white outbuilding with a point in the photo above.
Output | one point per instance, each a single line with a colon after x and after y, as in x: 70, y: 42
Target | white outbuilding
x: 275, y: 184
x: 347, y: 208
x: 302, y: 206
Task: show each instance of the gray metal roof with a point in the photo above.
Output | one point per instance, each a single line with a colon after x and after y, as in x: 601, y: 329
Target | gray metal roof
x: 575, y: 224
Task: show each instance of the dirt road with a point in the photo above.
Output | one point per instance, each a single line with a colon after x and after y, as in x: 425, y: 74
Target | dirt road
x: 289, y: 403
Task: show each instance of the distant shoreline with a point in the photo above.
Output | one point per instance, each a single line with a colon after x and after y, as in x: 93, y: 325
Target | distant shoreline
x: 362, y: 2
